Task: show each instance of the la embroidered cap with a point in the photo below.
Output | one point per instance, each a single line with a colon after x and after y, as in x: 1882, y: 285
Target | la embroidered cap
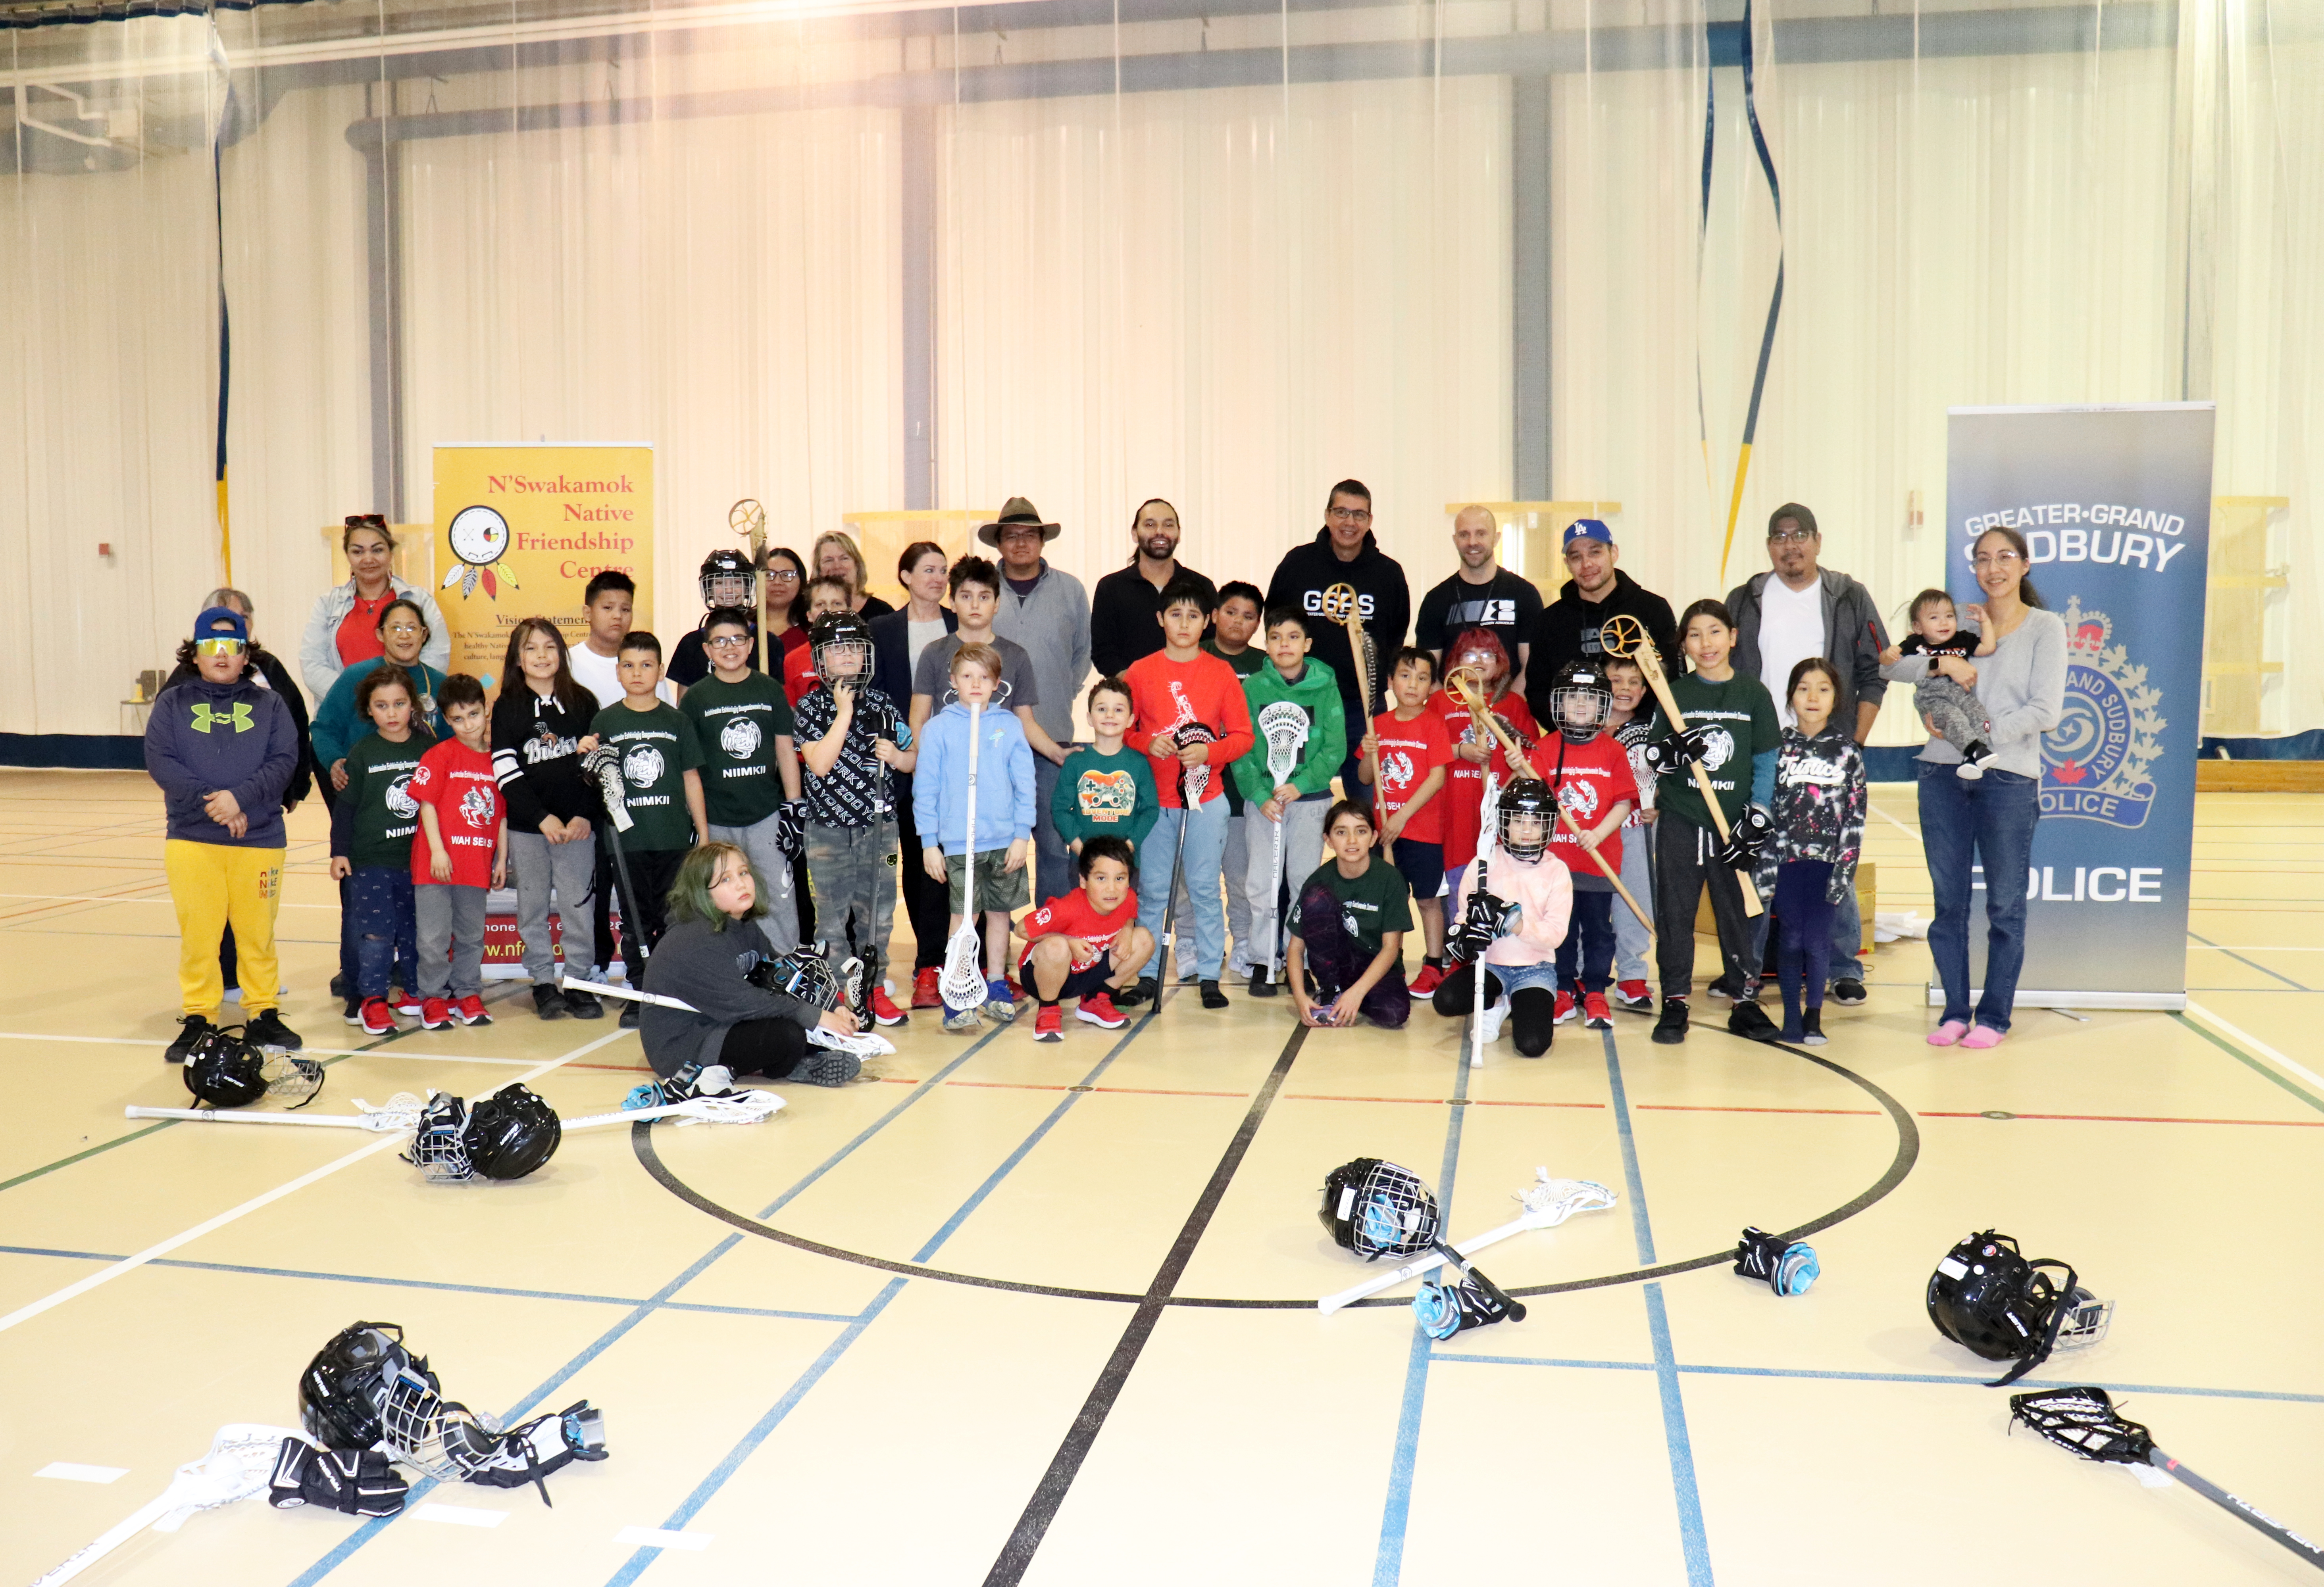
x: 1588, y: 528
x: 221, y: 622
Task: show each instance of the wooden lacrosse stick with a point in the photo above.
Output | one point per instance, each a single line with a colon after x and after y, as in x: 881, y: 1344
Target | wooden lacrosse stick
x: 1458, y: 682
x: 747, y: 518
x: 1625, y: 637
x: 1341, y: 604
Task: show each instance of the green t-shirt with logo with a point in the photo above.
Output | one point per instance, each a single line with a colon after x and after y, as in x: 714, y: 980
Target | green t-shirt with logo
x: 1371, y: 905
x: 1742, y: 716
x: 657, y: 748
x: 386, y: 817
x: 736, y: 726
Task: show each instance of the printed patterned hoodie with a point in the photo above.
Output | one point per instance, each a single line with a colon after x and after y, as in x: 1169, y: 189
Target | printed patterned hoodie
x: 1819, y: 808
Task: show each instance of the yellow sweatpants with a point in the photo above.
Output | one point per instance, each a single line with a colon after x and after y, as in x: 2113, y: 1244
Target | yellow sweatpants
x: 214, y: 885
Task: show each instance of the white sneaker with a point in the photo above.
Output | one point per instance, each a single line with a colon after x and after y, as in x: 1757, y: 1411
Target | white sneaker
x: 1496, y: 1014
x: 1968, y: 771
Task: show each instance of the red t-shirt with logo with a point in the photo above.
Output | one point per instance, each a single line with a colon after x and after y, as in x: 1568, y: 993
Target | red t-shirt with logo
x: 1074, y: 915
x: 1408, y: 752
x: 1594, y: 776
x: 458, y: 782
x: 1464, y: 785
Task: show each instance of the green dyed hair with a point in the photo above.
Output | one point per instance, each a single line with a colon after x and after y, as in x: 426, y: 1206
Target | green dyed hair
x: 690, y: 894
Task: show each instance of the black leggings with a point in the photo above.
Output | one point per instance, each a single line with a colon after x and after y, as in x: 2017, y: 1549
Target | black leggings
x: 772, y: 1048
x: 1533, y: 1010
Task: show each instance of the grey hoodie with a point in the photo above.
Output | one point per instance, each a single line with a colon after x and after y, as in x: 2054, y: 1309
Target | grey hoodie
x: 1053, y: 625
x: 1853, y: 637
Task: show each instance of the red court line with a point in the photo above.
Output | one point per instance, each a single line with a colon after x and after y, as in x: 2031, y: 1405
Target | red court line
x: 1869, y: 1113
x: 1124, y: 1090
x: 1435, y: 1101
x: 2125, y: 1118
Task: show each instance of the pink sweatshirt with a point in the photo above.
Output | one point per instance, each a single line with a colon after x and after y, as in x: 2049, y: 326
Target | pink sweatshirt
x: 1542, y: 889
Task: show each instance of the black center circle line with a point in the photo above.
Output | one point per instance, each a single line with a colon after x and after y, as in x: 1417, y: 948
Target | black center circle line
x: 1908, y: 1151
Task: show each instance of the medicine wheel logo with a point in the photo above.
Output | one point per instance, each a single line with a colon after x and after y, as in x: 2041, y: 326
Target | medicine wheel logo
x: 641, y: 766
x: 400, y: 804
x: 2095, y: 762
x: 740, y: 737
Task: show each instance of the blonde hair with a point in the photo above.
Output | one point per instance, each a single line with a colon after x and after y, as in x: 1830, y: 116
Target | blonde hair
x: 846, y: 543
x: 984, y: 656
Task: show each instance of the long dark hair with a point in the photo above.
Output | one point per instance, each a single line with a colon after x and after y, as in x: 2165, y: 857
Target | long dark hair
x: 567, y: 688
x: 791, y: 617
x: 2025, y: 590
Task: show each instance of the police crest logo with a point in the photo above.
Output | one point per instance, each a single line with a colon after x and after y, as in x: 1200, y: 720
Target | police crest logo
x: 740, y: 737
x: 2095, y: 762
x: 400, y: 802
x: 641, y: 767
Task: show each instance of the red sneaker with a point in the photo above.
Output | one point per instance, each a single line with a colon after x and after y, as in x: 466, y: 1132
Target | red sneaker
x: 1634, y: 997
x: 1429, y: 978
x: 883, y: 1008
x: 470, y: 1010
x: 435, y: 1014
x: 1565, y: 1007
x: 1595, y: 1014
x: 1098, y: 1009
x: 408, y: 1007
x: 1049, y: 1024
x: 926, y: 992
x: 377, y: 1018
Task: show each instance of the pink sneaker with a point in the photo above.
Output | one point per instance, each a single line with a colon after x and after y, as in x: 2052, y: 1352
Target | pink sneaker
x: 1983, y: 1036
x: 1948, y: 1033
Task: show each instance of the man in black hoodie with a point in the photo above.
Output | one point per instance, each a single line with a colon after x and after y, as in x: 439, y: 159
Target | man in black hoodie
x: 1344, y: 552
x: 1567, y: 629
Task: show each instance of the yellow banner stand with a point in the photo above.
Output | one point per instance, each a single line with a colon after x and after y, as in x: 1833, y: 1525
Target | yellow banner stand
x: 520, y: 531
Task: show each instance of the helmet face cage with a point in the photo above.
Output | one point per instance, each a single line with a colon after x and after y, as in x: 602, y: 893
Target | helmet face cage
x: 720, y: 566
x: 1581, y: 702
x: 439, y: 1148
x: 802, y: 974
x: 1531, y: 803
x: 838, y: 637
x: 1375, y: 1208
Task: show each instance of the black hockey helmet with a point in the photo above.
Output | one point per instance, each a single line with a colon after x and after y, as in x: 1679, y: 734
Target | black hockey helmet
x: 1580, y: 701
x: 226, y: 1070
x: 343, y: 1392
x: 1987, y: 1297
x: 510, y: 1133
x: 1525, y: 796
x: 1377, y: 1208
x: 726, y: 564
x: 841, y: 633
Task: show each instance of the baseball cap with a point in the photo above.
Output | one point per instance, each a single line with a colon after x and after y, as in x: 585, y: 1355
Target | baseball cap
x: 221, y: 622
x: 1588, y: 528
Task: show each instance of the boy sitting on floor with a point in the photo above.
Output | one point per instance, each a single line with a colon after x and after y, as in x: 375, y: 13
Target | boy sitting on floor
x: 1075, y: 943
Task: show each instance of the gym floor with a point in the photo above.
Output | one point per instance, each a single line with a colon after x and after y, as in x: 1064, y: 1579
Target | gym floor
x: 1012, y: 1312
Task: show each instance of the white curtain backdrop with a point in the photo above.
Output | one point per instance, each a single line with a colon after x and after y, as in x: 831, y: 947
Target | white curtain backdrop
x: 1211, y: 260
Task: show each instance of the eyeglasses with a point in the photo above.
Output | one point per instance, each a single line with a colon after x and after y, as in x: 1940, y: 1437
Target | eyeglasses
x: 728, y: 641
x: 219, y: 646
x: 1789, y: 537
x: 782, y: 578
x: 2002, y: 558
x: 403, y: 630
x: 1349, y: 515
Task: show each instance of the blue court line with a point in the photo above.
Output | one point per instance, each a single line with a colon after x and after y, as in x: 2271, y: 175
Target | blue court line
x: 2267, y: 1071
x: 1946, y: 1379
x: 1694, y: 1541
x: 2250, y: 964
x: 371, y: 1528
x: 1396, y: 1514
x: 515, y: 1294
x: 764, y: 1427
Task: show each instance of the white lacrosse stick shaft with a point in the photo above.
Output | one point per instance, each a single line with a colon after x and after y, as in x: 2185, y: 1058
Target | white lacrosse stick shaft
x: 759, y: 1106
x: 1488, y: 829
x: 1282, y: 754
x: 1549, y: 1203
x: 864, y: 1043
x: 196, y: 1485
x: 961, y: 954
x: 631, y: 993
x: 378, y: 1122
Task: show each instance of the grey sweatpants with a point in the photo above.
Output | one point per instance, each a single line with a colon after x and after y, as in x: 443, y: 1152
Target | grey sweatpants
x: 1303, y: 844
x: 570, y: 869
x: 1631, y: 937
x: 1234, y: 863
x: 1954, y: 712
x: 853, y: 873
x: 451, y: 921
x: 781, y: 923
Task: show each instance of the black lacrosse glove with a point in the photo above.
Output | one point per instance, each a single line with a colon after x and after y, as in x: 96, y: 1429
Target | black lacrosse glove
x: 1786, y: 1266
x: 352, y: 1482
x: 543, y: 1446
x: 1747, y: 834
x: 1483, y: 920
x: 1475, y: 1301
x: 791, y: 828
x: 1677, y: 752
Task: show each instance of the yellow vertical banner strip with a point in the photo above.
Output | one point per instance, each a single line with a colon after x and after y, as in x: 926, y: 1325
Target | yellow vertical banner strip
x: 1735, y: 506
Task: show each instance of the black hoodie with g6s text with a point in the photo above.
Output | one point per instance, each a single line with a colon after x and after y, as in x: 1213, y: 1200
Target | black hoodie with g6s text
x: 1383, y: 603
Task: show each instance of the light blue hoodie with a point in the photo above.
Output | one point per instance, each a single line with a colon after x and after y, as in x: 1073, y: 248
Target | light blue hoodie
x: 1005, y: 781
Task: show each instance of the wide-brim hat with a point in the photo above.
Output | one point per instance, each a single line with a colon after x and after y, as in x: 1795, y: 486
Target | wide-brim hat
x: 1019, y: 511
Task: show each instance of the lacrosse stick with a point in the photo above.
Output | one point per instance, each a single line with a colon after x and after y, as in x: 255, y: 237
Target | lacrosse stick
x: 2084, y: 1420
x: 240, y: 1460
x: 1625, y: 637
x: 750, y: 1106
x: 605, y: 762
x: 1473, y: 1301
x: 1284, y: 726
x: 1343, y: 606
x: 1547, y: 1204
x: 1490, y: 821
x: 1458, y: 684
x: 962, y: 983
x: 1194, y: 782
x: 399, y: 1112
x: 865, y: 1043
x: 747, y: 518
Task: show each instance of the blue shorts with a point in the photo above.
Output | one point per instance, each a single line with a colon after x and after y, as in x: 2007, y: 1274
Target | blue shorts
x: 1422, y: 866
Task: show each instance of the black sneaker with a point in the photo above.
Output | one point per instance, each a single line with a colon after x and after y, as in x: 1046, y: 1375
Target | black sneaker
x: 1211, y: 996
x: 548, y: 1003
x: 1262, y: 984
x: 1812, y: 1027
x: 1725, y: 986
x: 582, y: 1005
x: 340, y: 987
x: 353, y: 1012
x: 269, y: 1031
x: 1144, y: 989
x: 191, y: 1028
x: 1748, y: 1019
x: 1848, y: 990
x: 1670, y: 1030
x: 629, y: 1016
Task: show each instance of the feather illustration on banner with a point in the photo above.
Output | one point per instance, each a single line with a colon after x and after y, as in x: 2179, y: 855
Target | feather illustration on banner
x: 480, y: 537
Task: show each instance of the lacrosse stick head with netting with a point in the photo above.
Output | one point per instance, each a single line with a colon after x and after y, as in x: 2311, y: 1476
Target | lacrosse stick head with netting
x: 1284, y: 726
x: 2085, y: 1421
x: 1549, y: 1202
x: 962, y: 983
x: 1377, y: 1208
x: 603, y: 764
x: 1194, y: 781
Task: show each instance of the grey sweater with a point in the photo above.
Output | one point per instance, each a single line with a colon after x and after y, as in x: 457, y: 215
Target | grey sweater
x: 2022, y: 687
x: 1853, y: 637
x: 1053, y: 625
x: 705, y: 968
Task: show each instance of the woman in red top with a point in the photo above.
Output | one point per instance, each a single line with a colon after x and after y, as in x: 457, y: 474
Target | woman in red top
x: 786, y: 587
x: 1479, y: 653
x: 343, y: 627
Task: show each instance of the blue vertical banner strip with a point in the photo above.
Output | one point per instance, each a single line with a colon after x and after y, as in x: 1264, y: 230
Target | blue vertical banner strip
x: 2114, y: 504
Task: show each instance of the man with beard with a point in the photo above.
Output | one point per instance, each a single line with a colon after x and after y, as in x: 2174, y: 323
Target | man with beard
x: 1344, y: 552
x: 1481, y: 594
x: 1567, y: 629
x: 1125, y: 608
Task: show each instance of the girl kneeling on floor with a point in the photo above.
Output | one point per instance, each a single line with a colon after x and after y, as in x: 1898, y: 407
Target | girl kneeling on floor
x: 1809, y: 862
x: 1515, y: 917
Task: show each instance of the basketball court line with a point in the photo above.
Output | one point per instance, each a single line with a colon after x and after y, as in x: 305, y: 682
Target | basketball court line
x: 2255, y: 1045
x: 2249, y: 964
x: 1947, y: 1379
x: 23, y: 1314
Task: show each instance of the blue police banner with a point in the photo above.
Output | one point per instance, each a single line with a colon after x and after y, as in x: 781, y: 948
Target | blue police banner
x: 2114, y: 504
